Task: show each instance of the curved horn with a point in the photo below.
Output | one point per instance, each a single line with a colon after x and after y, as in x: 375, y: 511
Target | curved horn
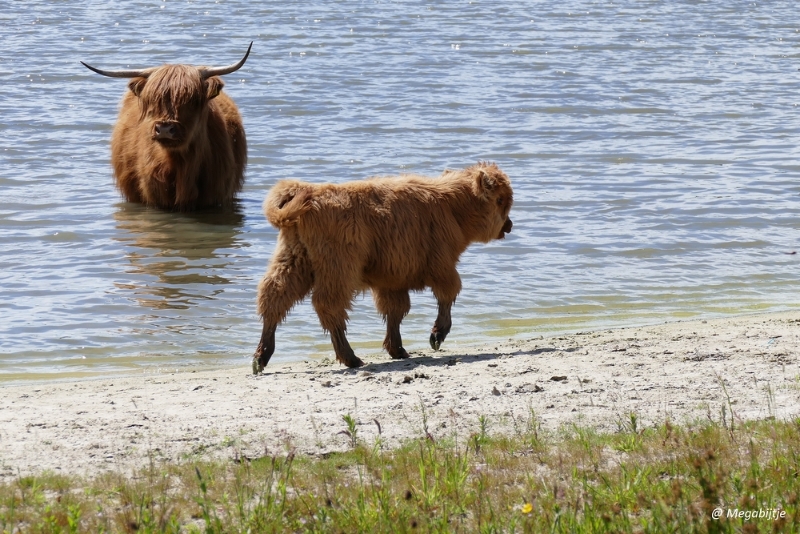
x: 219, y: 71
x: 121, y: 73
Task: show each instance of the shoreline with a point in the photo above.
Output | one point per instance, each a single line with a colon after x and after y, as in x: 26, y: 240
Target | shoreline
x: 678, y: 371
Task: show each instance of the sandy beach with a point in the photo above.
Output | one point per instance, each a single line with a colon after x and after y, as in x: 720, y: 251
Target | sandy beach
x: 680, y: 371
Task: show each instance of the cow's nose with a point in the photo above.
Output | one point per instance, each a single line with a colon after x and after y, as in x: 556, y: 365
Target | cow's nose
x: 165, y: 130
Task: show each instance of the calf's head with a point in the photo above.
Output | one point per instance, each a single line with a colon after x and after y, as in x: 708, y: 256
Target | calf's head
x: 493, y: 187
x: 173, y: 99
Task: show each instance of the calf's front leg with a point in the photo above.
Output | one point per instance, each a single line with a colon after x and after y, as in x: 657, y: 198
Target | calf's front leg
x: 445, y: 290
x: 442, y: 325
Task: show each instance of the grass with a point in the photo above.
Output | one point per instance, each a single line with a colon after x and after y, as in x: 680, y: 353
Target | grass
x: 664, y: 479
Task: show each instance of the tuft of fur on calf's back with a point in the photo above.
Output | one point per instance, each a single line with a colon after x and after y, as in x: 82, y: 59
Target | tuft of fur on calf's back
x: 287, y: 201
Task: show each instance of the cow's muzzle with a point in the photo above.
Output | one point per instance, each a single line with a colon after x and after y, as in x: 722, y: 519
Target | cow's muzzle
x: 169, y: 131
x: 505, y: 229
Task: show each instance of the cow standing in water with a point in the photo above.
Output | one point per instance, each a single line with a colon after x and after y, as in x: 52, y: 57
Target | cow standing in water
x: 179, y: 142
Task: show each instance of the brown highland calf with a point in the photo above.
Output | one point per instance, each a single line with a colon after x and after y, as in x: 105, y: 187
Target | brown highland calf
x: 179, y: 141
x: 390, y: 235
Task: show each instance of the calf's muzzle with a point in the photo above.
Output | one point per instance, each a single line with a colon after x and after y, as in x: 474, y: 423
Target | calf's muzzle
x: 506, y: 229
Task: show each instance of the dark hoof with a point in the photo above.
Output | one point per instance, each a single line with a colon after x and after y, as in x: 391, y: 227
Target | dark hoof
x: 354, y: 362
x: 349, y: 358
x: 399, y: 354
x: 260, y: 360
x: 436, y: 340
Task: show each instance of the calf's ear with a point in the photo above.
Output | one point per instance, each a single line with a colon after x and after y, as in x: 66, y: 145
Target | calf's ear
x: 484, y: 184
x: 214, y: 86
x: 136, y: 85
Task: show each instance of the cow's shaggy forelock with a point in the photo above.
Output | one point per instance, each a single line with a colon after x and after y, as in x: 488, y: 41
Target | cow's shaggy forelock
x: 170, y: 88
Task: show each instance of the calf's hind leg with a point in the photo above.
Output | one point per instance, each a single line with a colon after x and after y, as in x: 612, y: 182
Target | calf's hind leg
x: 445, y: 290
x: 288, y: 279
x: 331, y: 305
x: 393, y: 305
x: 331, y: 299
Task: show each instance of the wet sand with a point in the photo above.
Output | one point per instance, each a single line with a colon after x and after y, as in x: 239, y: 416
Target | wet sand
x: 682, y: 372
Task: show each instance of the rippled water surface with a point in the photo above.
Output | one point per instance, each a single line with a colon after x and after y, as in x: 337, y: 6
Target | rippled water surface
x: 653, y: 148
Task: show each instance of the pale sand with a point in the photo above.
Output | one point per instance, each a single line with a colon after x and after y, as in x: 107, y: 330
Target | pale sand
x: 670, y: 372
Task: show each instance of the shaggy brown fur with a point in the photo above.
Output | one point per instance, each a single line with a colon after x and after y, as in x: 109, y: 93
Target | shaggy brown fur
x: 179, y: 142
x: 390, y: 235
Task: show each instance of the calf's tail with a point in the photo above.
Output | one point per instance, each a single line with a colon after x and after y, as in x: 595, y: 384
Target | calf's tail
x: 287, y: 202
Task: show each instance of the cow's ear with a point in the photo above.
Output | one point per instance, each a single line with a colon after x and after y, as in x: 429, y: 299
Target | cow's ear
x: 136, y: 85
x: 484, y: 184
x: 214, y: 86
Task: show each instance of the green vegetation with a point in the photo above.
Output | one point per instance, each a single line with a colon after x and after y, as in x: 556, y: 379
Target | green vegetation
x: 664, y: 479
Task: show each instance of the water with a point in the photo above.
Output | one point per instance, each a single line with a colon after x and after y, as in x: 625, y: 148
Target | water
x: 653, y: 148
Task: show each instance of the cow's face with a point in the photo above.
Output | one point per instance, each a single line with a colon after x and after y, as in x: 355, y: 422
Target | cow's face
x: 173, y: 99
x: 494, y: 186
x: 174, y: 103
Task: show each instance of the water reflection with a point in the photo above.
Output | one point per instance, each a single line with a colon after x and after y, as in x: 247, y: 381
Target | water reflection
x: 177, y: 259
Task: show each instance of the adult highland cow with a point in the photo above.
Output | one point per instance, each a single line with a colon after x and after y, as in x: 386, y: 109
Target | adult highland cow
x: 390, y: 235
x: 179, y: 142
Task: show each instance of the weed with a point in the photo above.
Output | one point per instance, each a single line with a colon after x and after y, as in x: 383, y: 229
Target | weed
x: 352, y: 430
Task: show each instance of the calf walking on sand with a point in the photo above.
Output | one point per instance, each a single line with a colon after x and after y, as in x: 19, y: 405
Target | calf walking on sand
x: 391, y: 235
